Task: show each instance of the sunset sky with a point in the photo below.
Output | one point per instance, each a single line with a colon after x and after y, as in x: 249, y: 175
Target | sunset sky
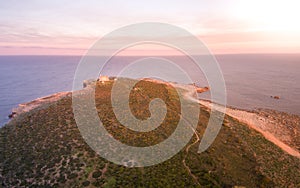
x: 60, y: 27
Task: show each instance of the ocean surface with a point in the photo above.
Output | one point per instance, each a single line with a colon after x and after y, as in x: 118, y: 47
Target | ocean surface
x: 250, y: 79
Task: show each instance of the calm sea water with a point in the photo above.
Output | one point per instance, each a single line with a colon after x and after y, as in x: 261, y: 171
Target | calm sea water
x: 250, y: 79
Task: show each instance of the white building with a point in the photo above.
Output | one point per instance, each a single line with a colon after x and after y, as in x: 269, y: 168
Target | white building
x: 103, y: 79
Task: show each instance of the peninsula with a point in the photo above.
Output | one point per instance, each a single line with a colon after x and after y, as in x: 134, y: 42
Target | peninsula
x: 42, y: 146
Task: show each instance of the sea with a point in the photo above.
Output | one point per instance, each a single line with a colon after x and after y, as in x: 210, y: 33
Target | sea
x: 250, y: 79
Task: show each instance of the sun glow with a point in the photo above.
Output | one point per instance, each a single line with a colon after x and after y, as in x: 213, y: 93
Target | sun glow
x: 268, y: 15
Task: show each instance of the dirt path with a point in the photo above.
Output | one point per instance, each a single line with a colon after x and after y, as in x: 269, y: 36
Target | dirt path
x: 187, y: 152
x: 187, y: 94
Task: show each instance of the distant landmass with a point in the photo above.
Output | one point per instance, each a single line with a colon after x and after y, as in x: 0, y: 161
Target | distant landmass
x: 42, y: 147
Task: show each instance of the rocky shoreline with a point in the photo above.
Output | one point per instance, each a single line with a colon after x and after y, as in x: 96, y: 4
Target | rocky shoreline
x: 42, y: 102
x: 47, y: 100
x: 281, y: 128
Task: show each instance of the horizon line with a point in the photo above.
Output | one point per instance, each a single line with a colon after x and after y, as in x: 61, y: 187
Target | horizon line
x: 167, y: 55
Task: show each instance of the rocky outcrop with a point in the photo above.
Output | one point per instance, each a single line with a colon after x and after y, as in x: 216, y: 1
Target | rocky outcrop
x: 275, y: 97
x: 202, y: 89
x: 37, y: 103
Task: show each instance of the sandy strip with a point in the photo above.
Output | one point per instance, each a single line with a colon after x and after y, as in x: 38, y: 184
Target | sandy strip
x: 257, y: 123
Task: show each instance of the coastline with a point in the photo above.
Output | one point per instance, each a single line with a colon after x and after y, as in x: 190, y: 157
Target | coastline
x: 280, y: 128
x: 273, y: 131
x: 38, y: 103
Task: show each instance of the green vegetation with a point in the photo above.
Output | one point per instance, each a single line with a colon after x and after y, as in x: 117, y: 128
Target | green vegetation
x: 44, y: 148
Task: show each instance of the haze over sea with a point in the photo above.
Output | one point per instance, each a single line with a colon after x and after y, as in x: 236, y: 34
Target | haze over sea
x: 250, y: 79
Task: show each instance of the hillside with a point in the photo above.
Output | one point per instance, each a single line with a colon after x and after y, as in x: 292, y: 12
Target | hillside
x: 44, y: 148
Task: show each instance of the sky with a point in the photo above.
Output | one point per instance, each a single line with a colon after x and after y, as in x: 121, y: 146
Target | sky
x: 65, y: 27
